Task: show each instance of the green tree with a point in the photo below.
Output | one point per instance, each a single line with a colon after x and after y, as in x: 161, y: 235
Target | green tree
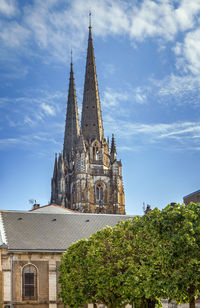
x: 179, y: 234
x: 141, y: 260
x: 145, y: 277
x: 75, y: 287
x: 108, y: 262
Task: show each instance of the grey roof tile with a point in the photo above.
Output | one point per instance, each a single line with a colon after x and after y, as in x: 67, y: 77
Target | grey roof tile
x: 52, y: 232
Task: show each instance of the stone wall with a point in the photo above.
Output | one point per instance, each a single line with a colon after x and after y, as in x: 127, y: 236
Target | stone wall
x: 47, y: 279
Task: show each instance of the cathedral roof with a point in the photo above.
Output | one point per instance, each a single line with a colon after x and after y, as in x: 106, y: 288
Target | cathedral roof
x: 50, y: 232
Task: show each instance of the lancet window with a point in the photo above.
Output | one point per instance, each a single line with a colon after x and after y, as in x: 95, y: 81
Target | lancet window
x: 96, y: 151
x: 99, y: 192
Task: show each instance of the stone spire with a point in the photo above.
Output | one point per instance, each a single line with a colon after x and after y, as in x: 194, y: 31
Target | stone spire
x: 91, y: 122
x: 55, y: 171
x: 54, y: 181
x: 72, y: 128
x: 113, y: 152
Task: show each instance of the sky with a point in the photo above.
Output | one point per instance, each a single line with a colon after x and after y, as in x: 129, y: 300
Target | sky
x: 148, y: 69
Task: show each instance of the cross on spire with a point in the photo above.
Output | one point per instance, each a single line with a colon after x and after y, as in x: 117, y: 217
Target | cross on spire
x: 71, y: 56
x: 90, y: 18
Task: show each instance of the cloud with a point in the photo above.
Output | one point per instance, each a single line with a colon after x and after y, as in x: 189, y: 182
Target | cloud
x: 49, y: 110
x: 33, y: 108
x: 162, y: 19
x: 8, y: 8
x: 55, y: 27
x: 188, y: 52
x: 29, y: 140
x: 179, y: 134
x: 111, y: 98
x: 108, y: 69
x: 8, y: 142
x: 13, y: 35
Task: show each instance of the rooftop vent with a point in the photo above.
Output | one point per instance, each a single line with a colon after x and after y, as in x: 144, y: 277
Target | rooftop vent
x: 36, y: 205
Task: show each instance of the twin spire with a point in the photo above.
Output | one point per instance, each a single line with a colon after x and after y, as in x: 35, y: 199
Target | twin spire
x: 91, y: 122
x: 72, y: 129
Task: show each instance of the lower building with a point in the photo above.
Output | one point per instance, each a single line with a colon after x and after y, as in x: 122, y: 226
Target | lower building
x: 193, y: 197
x: 31, y: 245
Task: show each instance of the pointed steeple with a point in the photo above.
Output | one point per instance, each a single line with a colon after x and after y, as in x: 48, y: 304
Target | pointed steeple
x: 55, y: 171
x: 113, y: 152
x: 91, y: 122
x: 54, y: 193
x: 72, y: 128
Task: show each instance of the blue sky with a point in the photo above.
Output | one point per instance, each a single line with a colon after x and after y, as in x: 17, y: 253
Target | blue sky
x: 148, y: 67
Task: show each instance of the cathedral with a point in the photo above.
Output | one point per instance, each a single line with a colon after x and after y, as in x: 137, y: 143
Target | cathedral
x: 87, y: 176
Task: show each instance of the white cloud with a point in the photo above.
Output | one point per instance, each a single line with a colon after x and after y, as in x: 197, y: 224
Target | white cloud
x: 7, y: 142
x: 189, y: 52
x: 186, y: 12
x: 157, y: 133
x: 49, y: 110
x: 177, y: 90
x: 8, y: 8
x: 56, y: 27
x: 162, y: 19
x: 33, y: 108
x: 108, y: 69
x: 13, y: 34
x: 139, y: 95
x: 111, y: 98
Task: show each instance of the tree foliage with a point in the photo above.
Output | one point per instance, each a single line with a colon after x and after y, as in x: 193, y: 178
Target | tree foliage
x: 141, y: 260
x: 73, y: 278
x: 179, y: 235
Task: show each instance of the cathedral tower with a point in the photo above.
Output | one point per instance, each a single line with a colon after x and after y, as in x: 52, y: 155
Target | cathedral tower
x: 87, y: 175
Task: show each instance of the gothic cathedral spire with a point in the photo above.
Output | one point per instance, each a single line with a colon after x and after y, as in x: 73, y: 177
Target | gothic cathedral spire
x: 87, y: 176
x: 91, y: 122
x: 72, y: 129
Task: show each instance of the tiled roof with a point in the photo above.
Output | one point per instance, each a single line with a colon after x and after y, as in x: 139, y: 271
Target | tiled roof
x: 191, y: 194
x: 34, y: 231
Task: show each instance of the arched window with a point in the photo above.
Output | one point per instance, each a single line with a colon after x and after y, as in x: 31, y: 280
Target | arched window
x: 99, y: 192
x: 29, y: 282
x: 96, y: 151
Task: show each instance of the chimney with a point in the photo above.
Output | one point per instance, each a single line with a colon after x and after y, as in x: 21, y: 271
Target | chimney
x: 173, y: 203
x: 148, y: 209
x: 36, y: 205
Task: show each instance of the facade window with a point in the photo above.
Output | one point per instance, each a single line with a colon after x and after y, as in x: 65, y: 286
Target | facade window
x: 29, y: 282
x: 99, y: 192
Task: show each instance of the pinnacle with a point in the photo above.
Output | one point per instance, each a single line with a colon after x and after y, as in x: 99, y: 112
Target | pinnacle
x: 113, y: 146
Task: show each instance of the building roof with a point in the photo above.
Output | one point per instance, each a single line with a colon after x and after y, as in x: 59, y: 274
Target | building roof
x: 51, y: 232
x: 52, y: 208
x: 191, y: 194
